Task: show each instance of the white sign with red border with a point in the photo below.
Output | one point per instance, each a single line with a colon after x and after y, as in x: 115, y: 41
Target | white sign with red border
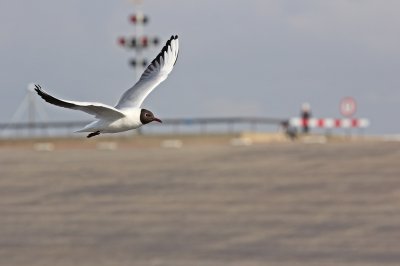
x: 348, y: 106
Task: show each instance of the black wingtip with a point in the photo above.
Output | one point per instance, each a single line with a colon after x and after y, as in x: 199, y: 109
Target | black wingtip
x: 41, y: 93
x: 164, y: 49
x: 39, y: 90
x: 50, y: 99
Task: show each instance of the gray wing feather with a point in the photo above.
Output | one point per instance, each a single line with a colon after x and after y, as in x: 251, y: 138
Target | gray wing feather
x: 154, y: 74
x: 99, y: 110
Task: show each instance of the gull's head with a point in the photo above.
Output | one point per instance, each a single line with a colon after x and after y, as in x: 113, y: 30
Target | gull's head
x: 146, y: 117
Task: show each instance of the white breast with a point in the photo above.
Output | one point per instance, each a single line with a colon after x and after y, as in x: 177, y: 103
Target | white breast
x: 130, y: 121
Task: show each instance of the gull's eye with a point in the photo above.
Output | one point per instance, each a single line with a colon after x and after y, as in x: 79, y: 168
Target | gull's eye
x: 147, y: 115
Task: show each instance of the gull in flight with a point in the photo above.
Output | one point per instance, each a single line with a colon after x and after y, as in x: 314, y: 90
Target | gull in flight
x: 127, y: 114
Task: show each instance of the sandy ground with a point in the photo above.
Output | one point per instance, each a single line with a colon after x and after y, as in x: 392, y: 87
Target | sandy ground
x: 212, y: 205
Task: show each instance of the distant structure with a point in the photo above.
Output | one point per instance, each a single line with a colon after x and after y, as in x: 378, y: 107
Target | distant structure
x: 347, y: 109
x: 139, y: 42
x: 29, y: 111
x: 329, y: 123
x: 305, y: 114
x: 348, y: 106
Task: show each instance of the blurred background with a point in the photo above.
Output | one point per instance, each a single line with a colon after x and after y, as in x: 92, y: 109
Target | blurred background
x: 253, y: 58
x: 249, y: 186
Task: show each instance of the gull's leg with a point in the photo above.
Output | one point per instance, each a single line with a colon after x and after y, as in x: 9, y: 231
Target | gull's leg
x: 93, y: 134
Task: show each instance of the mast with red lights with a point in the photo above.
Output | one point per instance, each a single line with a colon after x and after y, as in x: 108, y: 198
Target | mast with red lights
x: 139, y: 42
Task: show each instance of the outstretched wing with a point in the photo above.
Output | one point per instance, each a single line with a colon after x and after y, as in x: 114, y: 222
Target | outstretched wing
x: 97, y: 109
x: 154, y: 74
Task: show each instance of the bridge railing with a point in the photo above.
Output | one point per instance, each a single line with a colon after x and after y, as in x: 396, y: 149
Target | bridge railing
x: 169, y: 126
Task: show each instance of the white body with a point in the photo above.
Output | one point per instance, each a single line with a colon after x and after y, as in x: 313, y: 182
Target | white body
x: 126, y: 114
x: 130, y: 121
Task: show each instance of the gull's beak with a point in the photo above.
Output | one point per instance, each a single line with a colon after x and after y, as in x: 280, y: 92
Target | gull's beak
x: 156, y: 119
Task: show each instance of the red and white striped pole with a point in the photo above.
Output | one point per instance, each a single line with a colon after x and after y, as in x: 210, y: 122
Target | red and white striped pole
x: 329, y: 122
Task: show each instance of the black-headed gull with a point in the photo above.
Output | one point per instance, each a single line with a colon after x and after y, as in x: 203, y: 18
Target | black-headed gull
x: 127, y: 114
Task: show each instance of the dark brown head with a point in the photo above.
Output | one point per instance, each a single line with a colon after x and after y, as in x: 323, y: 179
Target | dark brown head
x: 146, y: 117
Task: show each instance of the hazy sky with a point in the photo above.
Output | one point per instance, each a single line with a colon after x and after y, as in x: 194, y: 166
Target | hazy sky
x: 252, y: 58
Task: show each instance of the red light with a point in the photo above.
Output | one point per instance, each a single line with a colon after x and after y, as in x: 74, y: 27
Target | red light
x: 121, y: 41
x: 145, y: 41
x: 133, y: 19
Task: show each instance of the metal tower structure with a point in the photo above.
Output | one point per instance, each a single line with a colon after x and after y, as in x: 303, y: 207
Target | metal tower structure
x: 33, y: 110
x: 139, y: 42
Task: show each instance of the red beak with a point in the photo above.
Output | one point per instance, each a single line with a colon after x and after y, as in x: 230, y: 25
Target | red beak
x: 156, y: 119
